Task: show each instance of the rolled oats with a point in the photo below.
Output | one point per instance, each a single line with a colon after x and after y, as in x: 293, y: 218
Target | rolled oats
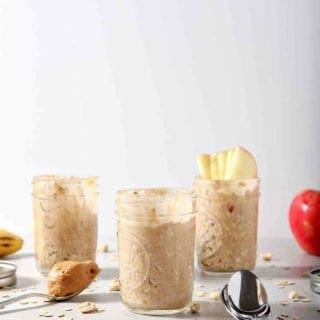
x: 87, y: 307
x: 194, y: 308
x: 266, y: 256
x: 215, y: 295
x: 114, y: 285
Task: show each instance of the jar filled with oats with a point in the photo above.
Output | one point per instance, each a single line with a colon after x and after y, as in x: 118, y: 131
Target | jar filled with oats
x: 65, y: 210
x: 227, y: 214
x: 156, y: 230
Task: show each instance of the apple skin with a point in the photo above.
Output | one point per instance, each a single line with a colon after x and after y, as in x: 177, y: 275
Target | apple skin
x: 304, y: 218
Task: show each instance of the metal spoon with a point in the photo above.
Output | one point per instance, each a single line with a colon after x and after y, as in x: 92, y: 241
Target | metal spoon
x: 42, y: 295
x: 245, y: 297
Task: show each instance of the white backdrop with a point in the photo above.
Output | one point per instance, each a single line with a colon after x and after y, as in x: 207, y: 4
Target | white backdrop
x: 131, y: 91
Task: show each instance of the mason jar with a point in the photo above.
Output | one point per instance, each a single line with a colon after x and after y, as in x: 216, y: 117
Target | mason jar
x: 156, y: 234
x: 227, y: 216
x: 65, y: 210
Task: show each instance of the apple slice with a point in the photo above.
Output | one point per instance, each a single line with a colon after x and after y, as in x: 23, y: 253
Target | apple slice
x: 242, y: 165
x: 222, y: 159
x: 228, y: 163
x: 204, y: 165
x: 215, y: 170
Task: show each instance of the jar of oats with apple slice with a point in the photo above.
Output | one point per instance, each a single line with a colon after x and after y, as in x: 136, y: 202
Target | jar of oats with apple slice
x: 227, y: 198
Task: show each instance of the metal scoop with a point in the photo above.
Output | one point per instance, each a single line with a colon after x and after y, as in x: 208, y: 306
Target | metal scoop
x: 245, y: 297
x: 41, y: 295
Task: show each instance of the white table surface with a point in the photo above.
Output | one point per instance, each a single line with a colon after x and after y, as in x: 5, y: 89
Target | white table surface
x: 285, y: 253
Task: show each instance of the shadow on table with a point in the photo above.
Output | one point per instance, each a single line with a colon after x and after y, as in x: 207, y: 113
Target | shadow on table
x: 19, y: 256
x: 103, y: 297
x: 108, y: 273
x: 22, y: 309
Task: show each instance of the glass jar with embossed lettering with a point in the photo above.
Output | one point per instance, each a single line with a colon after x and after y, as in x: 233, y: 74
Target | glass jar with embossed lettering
x: 227, y: 220
x: 156, y: 235
x: 65, y: 211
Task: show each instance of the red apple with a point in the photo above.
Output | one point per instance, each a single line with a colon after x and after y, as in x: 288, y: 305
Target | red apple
x: 304, y: 218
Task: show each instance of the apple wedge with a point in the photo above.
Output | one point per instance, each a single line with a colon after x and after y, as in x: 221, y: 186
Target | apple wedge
x: 228, y: 163
x: 204, y: 165
x: 222, y: 161
x: 215, y: 170
x: 242, y: 165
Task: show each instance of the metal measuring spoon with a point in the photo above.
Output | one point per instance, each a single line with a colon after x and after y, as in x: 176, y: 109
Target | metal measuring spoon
x: 41, y: 295
x: 245, y: 297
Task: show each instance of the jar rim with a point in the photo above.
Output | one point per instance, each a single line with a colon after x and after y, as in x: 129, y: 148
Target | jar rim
x: 151, y: 194
x: 66, y: 178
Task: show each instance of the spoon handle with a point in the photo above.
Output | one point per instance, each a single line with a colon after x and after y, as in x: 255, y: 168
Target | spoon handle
x: 21, y: 297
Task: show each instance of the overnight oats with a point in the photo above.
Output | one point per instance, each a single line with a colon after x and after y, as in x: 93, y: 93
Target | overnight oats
x: 227, y: 212
x: 65, y: 212
x: 156, y: 230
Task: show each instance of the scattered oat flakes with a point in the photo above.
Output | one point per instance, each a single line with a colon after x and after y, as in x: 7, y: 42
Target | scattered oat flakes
x: 286, y: 267
x: 284, y: 315
x: 215, y: 295
x: 48, y: 315
x: 67, y: 318
x: 67, y: 309
x: 41, y: 313
x: 87, y: 307
x: 194, y: 308
x: 266, y: 256
x: 201, y: 294
x: 293, y: 295
x: 305, y: 300
x: 283, y: 302
x: 24, y: 302
x: 103, y: 248
x: 296, y: 318
x: 114, y: 285
x: 199, y: 285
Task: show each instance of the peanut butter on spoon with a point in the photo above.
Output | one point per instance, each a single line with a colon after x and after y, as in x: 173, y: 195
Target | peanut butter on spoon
x: 68, y: 277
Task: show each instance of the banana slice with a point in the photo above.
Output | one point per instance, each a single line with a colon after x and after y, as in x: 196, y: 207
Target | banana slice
x: 222, y: 160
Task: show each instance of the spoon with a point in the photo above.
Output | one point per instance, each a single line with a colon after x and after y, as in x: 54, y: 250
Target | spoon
x: 41, y: 295
x: 245, y: 297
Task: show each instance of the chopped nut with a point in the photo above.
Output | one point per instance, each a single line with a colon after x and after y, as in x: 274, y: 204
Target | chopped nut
x: 266, y: 256
x: 87, y: 307
x: 215, y: 295
x: 103, y: 248
x: 293, y: 295
x: 114, y: 285
x: 194, y: 307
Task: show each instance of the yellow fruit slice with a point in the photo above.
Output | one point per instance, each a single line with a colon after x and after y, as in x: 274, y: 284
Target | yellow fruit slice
x: 242, y: 165
x: 222, y: 159
x: 9, y: 242
x: 203, y: 161
x: 228, y: 163
x: 215, y: 175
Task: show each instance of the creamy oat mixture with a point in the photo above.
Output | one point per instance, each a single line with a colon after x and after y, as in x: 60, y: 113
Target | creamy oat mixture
x: 156, y: 256
x: 227, y: 213
x: 65, y: 220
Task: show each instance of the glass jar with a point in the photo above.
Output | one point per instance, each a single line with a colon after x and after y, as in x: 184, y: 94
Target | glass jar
x: 227, y: 214
x: 65, y: 210
x: 156, y: 234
